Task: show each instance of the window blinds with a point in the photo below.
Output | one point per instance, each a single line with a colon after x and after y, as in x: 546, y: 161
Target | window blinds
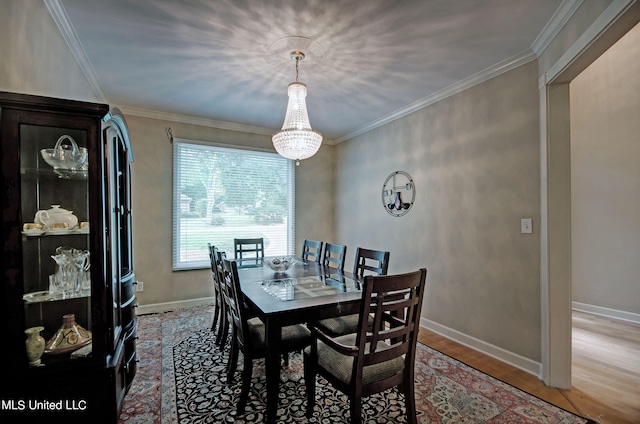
x: 222, y: 193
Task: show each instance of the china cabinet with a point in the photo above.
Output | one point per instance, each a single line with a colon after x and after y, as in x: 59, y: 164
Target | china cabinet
x: 67, y: 266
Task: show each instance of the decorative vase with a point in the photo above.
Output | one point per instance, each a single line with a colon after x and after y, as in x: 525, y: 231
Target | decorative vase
x: 398, y: 202
x: 68, y: 338
x: 35, y: 345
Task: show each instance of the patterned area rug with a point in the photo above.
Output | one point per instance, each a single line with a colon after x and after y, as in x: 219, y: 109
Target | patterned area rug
x: 187, y: 384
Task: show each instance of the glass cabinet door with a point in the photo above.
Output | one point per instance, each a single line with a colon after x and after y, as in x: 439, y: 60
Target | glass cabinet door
x: 110, y: 137
x: 55, y: 239
x: 118, y: 157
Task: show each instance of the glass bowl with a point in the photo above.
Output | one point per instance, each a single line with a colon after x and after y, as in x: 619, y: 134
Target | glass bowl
x: 280, y: 264
x: 64, y: 159
x: 65, y: 154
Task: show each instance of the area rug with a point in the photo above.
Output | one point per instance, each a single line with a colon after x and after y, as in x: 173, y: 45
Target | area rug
x: 182, y: 379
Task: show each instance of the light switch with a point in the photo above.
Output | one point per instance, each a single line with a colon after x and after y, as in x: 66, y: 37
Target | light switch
x: 526, y: 226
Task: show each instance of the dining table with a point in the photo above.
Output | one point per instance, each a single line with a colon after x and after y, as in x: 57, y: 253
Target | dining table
x: 306, y: 292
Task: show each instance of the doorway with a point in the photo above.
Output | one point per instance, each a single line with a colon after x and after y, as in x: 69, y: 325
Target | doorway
x: 556, y: 186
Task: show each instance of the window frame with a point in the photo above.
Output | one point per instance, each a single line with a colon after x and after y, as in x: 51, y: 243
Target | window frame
x: 184, y: 265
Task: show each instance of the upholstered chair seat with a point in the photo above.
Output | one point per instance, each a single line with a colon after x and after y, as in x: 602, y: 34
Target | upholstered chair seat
x: 294, y: 337
x: 341, y: 366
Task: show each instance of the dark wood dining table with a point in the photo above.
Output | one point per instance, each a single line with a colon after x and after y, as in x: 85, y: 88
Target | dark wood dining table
x: 307, y: 292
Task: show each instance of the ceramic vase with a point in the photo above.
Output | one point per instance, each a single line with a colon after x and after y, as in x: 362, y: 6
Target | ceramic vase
x: 68, y: 338
x: 35, y: 345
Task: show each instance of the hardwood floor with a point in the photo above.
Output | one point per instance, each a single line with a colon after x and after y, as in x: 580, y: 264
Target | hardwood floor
x: 605, y: 371
x: 606, y: 368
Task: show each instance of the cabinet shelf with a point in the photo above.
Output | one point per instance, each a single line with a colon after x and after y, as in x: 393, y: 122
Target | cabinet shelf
x: 56, y: 174
x: 72, y: 232
x: 47, y: 296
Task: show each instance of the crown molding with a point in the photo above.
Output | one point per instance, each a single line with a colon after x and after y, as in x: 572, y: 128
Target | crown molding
x: 205, y: 122
x: 193, y: 120
x: 588, y: 37
x: 555, y: 24
x: 458, y: 87
x: 61, y: 19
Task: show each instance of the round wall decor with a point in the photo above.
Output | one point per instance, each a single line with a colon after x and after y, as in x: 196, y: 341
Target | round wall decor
x: 398, y: 193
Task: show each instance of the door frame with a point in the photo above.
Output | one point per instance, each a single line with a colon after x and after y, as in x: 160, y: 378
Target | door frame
x: 555, y: 187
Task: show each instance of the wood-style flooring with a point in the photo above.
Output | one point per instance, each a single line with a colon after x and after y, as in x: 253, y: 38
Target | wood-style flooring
x: 605, y: 369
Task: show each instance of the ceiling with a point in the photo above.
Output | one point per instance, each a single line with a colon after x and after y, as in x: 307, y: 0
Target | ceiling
x: 211, y: 62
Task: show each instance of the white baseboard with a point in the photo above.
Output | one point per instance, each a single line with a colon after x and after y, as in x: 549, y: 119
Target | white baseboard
x: 513, y: 359
x: 606, y: 312
x: 155, y: 308
x: 518, y: 361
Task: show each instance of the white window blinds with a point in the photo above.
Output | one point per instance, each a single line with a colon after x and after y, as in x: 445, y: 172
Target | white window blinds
x: 222, y: 193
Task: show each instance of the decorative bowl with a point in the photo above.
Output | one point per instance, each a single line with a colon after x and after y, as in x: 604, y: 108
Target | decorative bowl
x: 280, y: 264
x: 65, y: 160
x: 65, y: 156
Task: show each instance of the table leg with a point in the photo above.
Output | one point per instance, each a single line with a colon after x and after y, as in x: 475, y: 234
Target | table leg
x: 273, y: 335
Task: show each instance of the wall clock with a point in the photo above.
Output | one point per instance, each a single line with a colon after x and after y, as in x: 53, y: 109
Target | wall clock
x: 398, y: 193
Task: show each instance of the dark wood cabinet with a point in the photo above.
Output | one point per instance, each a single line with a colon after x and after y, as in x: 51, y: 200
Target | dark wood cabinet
x: 67, y: 255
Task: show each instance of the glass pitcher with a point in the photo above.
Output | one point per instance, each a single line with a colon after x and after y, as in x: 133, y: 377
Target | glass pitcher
x: 72, y: 271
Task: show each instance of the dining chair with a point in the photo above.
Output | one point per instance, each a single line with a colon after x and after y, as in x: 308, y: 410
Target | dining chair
x: 248, y: 248
x: 363, y: 363
x: 218, y: 311
x: 370, y: 262
x: 223, y: 326
x: 312, y: 250
x: 248, y: 334
x: 367, y: 262
x: 333, y: 255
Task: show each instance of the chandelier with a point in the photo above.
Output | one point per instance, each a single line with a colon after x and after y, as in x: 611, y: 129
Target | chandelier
x: 296, y: 140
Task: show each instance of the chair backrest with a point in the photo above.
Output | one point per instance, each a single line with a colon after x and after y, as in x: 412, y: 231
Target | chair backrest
x: 312, y: 250
x: 234, y: 298
x: 214, y: 271
x: 333, y: 255
x: 370, y: 262
x: 397, y: 301
x: 218, y: 256
x: 211, y: 256
x: 248, y: 248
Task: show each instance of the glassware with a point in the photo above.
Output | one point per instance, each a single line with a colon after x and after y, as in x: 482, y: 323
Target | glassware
x: 56, y: 285
x: 72, y: 274
x: 65, y: 156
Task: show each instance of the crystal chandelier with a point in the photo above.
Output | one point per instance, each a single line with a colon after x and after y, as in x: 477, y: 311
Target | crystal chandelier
x: 296, y: 140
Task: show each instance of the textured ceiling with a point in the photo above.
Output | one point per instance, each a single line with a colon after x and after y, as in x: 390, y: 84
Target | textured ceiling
x: 211, y: 60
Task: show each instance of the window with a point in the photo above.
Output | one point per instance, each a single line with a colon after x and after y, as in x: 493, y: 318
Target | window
x: 222, y: 193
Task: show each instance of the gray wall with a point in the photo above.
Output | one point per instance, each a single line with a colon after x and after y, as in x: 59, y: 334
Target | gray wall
x: 605, y: 179
x: 474, y: 158
x: 35, y: 58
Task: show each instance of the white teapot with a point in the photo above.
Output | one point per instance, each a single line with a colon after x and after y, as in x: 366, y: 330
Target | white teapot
x: 56, y: 217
